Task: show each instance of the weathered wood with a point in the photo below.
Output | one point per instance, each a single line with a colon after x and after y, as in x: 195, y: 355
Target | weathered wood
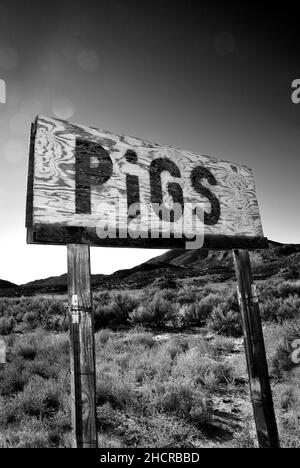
x: 81, y: 173
x: 60, y: 235
x: 29, y: 202
x: 260, y: 388
x: 83, y: 374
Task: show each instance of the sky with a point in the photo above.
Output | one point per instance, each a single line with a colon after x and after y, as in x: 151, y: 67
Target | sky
x: 214, y: 78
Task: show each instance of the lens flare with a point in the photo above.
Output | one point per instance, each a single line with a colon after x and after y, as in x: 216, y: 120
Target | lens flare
x: 88, y: 60
x: 224, y: 44
x: 9, y: 58
x: 14, y: 151
x: 63, y: 108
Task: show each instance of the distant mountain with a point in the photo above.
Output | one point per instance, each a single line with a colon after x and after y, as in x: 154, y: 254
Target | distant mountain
x: 176, y: 264
x: 205, y: 259
x: 7, y: 284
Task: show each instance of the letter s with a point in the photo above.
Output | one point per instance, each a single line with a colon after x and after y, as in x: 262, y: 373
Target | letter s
x: 199, y: 173
x: 296, y: 92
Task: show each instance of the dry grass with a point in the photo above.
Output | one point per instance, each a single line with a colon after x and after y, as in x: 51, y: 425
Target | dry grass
x: 155, y: 393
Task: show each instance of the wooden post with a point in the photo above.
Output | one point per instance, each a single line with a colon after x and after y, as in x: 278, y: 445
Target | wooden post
x: 83, y: 379
x: 260, y: 388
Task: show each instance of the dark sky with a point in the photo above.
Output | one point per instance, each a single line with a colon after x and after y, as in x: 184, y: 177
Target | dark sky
x: 210, y: 77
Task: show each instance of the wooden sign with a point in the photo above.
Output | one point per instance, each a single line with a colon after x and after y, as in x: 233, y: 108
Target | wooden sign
x: 91, y: 186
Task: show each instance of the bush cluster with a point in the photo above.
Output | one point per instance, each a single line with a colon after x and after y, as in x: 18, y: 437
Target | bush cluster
x: 26, y: 314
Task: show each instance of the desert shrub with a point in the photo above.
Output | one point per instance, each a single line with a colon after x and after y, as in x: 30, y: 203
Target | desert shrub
x: 197, y: 311
x: 280, y: 309
x: 232, y: 301
x: 59, y: 423
x: 245, y: 437
x: 268, y: 290
x: 114, y: 313
x: 207, y: 303
x: 223, y: 344
x: 138, y: 338
x: 177, y: 397
x: 186, y: 296
x: 14, y: 377
x: 168, y: 295
x: 192, y: 315
x: 104, y: 335
x: 31, y: 434
x: 143, y: 314
x: 38, y: 439
x: 124, y: 305
x: 169, y: 282
x: 102, y: 297
x: 41, y: 397
x: 54, y: 315
x: 9, y: 413
x: 152, y: 365
x: 289, y: 421
x: 31, y: 319
x: 26, y: 350
x: 176, y: 345
x: 105, y: 441
x: 196, y: 367
x: 281, y: 360
x: 51, y: 347
x: 288, y: 398
x: 290, y: 273
x: 104, y: 315
x: 225, y: 321
x: 155, y: 313
x: 43, y: 368
x: 289, y: 288
x: 105, y: 420
x: 30, y: 313
x: 7, y: 325
x: 110, y: 389
x: 292, y: 329
x: 269, y: 309
x: 34, y: 354
x: 206, y: 290
x: 185, y: 401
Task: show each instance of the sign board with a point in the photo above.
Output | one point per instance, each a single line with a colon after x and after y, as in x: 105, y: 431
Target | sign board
x: 92, y: 186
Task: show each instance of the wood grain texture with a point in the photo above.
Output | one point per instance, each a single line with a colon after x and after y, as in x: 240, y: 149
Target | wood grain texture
x: 260, y: 388
x: 83, y: 380
x: 58, y: 235
x: 225, y: 190
x: 29, y: 201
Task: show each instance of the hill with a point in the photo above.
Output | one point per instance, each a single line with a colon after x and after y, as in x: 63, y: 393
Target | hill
x: 7, y: 284
x: 176, y: 264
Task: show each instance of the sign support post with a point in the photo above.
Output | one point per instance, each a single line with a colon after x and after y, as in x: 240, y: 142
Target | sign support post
x: 83, y: 375
x: 260, y: 388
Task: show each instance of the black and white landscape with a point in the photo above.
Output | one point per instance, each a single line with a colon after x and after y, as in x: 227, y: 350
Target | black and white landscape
x: 85, y: 86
